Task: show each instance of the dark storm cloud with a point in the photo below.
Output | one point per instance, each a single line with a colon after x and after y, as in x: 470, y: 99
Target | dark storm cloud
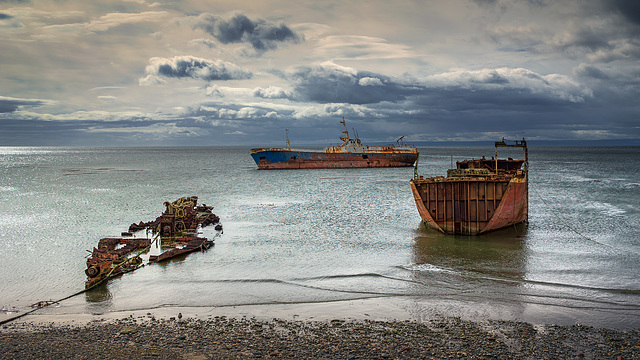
x: 9, y: 104
x: 609, y: 31
x: 334, y: 84
x: 238, y: 28
x: 5, y: 16
x: 630, y: 9
x: 191, y: 67
x: 599, y: 43
x: 454, y: 90
x: 590, y: 71
x: 604, y: 30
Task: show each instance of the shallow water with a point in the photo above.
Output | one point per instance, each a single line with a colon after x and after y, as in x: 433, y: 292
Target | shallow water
x: 323, y: 235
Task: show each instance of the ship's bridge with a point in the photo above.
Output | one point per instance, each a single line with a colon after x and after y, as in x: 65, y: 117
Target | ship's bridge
x: 349, y: 146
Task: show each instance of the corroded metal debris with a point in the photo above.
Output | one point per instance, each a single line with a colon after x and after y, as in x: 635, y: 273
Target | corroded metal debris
x: 176, y: 230
x: 181, y: 215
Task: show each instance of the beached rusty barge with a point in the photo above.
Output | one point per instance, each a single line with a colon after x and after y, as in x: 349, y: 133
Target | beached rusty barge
x: 478, y: 196
x: 175, y: 233
x: 350, y: 154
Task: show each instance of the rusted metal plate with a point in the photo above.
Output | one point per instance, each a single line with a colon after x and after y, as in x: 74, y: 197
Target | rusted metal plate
x: 478, y: 196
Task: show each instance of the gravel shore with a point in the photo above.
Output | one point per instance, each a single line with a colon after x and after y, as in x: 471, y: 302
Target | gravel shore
x: 145, y: 337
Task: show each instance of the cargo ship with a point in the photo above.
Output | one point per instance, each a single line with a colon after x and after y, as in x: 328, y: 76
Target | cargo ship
x: 478, y: 196
x: 350, y: 154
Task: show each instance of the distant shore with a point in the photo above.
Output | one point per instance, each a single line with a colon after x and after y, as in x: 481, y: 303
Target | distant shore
x: 275, y: 332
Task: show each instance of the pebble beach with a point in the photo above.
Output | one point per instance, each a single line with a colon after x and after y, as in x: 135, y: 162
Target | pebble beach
x: 222, y: 337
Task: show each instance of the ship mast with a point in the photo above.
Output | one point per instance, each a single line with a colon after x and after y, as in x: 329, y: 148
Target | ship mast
x: 345, y: 131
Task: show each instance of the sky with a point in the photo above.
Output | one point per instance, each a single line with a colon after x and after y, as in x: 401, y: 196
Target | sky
x: 242, y: 73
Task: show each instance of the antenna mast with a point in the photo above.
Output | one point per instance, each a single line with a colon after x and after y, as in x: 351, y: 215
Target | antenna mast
x: 287, y: 133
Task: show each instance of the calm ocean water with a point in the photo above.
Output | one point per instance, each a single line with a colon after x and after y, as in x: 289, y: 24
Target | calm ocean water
x: 324, y: 235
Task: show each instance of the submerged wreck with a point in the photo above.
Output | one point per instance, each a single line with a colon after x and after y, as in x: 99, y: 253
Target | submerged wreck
x: 478, y: 196
x: 176, y: 232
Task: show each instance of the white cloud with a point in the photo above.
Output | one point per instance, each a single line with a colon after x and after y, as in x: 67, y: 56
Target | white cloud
x: 100, y: 24
x: 369, y: 81
x: 158, y: 130
x: 351, y: 47
x: 98, y: 115
x: 552, y: 85
x: 107, y: 98
x: 272, y: 92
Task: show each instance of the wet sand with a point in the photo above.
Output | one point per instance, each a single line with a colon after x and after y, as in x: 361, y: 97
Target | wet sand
x: 305, y: 331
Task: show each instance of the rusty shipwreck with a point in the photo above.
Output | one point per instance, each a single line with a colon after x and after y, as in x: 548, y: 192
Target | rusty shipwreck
x: 478, y: 196
x: 176, y: 232
x: 350, y: 154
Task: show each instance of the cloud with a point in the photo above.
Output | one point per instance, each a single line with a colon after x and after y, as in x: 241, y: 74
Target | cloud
x: 608, y: 31
x: 352, y: 47
x: 272, y: 92
x: 590, y: 71
x: 5, y: 16
x: 191, y: 67
x: 336, y: 110
x: 11, y: 104
x: 629, y: 9
x: 161, y: 130
x: 95, y: 115
x: 206, y: 43
x: 111, y: 20
x: 599, y: 41
x: 238, y: 28
x: 599, y: 30
x: 370, y: 81
x: 108, y: 98
x: 521, y: 82
x: 331, y: 83
x: 234, y: 112
x: 101, y: 24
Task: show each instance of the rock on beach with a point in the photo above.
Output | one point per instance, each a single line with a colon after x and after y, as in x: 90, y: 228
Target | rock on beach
x: 221, y: 337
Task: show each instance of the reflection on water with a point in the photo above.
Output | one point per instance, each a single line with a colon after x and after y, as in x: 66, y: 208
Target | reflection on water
x: 499, y: 255
x: 98, y: 294
x: 473, y: 276
x: 488, y: 276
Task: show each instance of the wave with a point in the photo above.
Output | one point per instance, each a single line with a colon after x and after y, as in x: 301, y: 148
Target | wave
x: 606, y: 208
x: 428, y: 268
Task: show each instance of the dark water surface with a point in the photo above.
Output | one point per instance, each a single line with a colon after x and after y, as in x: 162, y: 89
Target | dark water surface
x: 308, y: 236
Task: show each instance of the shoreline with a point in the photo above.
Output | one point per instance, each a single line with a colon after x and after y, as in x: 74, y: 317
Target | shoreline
x: 312, y: 331
x: 391, y: 308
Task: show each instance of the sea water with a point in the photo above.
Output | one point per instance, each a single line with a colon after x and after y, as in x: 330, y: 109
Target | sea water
x: 320, y: 236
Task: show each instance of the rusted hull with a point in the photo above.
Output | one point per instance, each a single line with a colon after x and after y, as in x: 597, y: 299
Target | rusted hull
x: 269, y: 159
x: 192, y: 244
x: 471, y: 206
